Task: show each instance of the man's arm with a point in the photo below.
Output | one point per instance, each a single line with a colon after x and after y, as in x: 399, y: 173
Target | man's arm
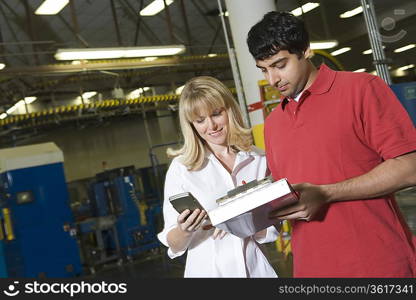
x: 388, y: 177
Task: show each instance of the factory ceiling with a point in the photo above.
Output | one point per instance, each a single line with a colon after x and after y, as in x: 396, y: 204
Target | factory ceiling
x: 28, y: 43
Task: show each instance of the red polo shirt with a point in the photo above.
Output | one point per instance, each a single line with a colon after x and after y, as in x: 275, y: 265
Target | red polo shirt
x: 343, y: 126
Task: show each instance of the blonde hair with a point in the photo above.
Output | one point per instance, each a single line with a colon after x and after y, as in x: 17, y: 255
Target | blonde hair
x: 205, y: 94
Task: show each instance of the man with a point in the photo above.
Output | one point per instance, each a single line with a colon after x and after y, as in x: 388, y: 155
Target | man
x: 348, y: 142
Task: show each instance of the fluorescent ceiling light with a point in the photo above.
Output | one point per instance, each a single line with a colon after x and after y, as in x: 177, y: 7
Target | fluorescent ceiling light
x: 20, y: 103
x: 350, y: 13
x: 142, y: 90
x: 51, y: 7
x: 323, y: 44
x: 360, y: 70
x: 340, y: 51
x: 406, y: 67
x: 212, y: 54
x: 402, y: 71
x: 11, y: 109
x: 155, y: 7
x: 305, y: 8
x: 150, y: 58
x: 121, y: 52
x: 137, y: 92
x: 31, y: 99
x: 399, y: 73
x: 2, y: 66
x: 404, y: 48
x: 3, y: 116
x: 369, y: 51
x: 178, y: 91
x: 88, y: 95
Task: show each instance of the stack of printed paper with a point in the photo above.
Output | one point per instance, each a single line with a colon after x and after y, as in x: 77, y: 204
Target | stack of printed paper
x: 244, y: 211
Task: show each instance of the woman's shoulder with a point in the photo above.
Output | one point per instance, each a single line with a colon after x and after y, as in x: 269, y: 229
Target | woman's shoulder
x: 177, y: 165
x: 175, y: 170
x: 256, y: 151
x: 176, y: 162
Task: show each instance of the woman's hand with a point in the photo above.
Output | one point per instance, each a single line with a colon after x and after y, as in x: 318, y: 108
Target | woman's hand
x: 260, y: 234
x: 180, y: 236
x: 218, y: 233
x: 191, y: 222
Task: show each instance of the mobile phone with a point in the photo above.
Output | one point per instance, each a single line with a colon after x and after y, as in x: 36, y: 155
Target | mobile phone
x: 184, y: 201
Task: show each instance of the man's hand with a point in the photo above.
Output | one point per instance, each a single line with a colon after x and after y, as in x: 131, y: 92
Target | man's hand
x: 312, y: 200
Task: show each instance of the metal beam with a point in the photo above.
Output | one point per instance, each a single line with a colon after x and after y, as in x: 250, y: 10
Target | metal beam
x: 2, y: 48
x: 187, y: 30
x: 169, y: 23
x: 114, y: 12
x: 175, y: 29
x: 25, y: 60
x: 26, y: 84
x: 215, y: 37
x: 153, y: 77
x: 134, y: 15
x: 75, y: 25
x: 29, y: 29
x: 26, y: 53
x: 112, y: 65
x: 40, y: 23
x: 203, y: 15
x: 74, y: 32
x: 27, y: 42
x: 379, y: 57
x: 139, y: 19
x: 74, y: 16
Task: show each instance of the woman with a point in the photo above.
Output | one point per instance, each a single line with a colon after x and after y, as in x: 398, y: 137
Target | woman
x: 217, y: 156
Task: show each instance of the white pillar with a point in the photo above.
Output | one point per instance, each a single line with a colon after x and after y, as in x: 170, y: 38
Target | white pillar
x: 243, y: 14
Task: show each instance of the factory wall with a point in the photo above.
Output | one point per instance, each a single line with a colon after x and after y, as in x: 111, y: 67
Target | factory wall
x: 119, y: 143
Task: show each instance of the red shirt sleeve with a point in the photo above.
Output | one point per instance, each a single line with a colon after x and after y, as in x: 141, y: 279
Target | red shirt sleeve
x: 387, y: 126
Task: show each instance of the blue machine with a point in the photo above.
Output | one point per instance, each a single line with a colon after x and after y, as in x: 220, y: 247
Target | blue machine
x: 115, y: 194
x: 37, y: 238
x: 406, y: 92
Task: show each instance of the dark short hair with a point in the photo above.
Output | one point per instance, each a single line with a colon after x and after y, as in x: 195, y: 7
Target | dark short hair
x: 277, y: 31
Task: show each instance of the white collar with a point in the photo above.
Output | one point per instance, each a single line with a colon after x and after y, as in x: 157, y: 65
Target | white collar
x: 297, y: 97
x: 254, y: 151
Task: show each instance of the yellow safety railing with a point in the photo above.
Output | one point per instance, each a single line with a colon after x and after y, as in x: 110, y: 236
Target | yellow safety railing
x: 108, y: 104
x: 8, y: 224
x: 1, y: 229
x: 283, y: 241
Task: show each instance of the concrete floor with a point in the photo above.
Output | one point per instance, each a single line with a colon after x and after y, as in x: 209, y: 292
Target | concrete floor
x: 155, y: 264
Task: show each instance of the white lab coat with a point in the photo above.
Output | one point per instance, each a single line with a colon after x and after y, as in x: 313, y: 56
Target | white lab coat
x: 231, y: 256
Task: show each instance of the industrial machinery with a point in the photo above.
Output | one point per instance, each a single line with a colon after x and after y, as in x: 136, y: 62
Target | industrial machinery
x: 37, y: 233
x: 122, y: 224
x: 406, y: 92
